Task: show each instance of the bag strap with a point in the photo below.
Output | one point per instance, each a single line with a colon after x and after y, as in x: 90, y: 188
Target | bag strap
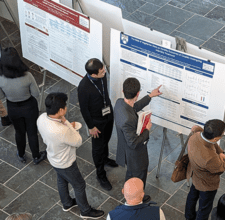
x: 185, y: 145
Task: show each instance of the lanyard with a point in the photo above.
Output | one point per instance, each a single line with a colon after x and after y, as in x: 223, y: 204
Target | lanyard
x: 103, y: 95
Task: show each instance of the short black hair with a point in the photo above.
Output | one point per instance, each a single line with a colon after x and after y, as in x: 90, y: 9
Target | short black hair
x: 11, y: 65
x: 213, y: 128
x: 131, y: 86
x: 93, y: 66
x: 220, y: 208
x: 54, y: 101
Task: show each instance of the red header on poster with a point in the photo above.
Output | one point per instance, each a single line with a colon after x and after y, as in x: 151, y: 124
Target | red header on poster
x: 60, y: 11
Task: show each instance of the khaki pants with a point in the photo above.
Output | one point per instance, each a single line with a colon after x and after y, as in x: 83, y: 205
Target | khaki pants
x: 3, y: 111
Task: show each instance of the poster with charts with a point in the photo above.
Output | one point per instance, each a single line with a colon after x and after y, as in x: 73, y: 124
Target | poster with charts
x: 59, y: 38
x: 192, y: 89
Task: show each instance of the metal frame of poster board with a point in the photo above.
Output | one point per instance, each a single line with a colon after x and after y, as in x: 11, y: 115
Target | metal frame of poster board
x: 135, y: 57
x: 59, y: 38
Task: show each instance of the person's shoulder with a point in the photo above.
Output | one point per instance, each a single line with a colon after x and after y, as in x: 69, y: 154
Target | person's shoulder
x: 83, y: 83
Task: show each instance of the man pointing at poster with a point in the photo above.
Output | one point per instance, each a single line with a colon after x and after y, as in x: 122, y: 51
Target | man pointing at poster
x: 132, y: 148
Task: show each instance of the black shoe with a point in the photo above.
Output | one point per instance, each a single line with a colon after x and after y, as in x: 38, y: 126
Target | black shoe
x: 67, y: 208
x: 6, y: 121
x: 22, y: 159
x: 105, y: 184
x: 43, y: 156
x: 111, y: 163
x: 146, y: 198
x: 93, y: 214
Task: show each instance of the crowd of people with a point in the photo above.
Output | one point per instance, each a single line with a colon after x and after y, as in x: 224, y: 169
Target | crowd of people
x: 18, y: 86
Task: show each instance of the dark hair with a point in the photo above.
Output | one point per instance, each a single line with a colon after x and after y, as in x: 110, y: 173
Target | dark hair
x: 213, y: 128
x: 55, y: 101
x: 220, y: 208
x: 131, y: 87
x: 93, y: 66
x: 11, y: 65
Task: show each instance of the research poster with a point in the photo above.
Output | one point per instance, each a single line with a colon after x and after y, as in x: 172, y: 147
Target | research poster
x: 58, y: 38
x: 189, y: 83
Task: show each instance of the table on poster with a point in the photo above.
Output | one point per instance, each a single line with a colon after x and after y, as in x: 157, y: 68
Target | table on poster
x: 192, y: 87
x: 59, y: 38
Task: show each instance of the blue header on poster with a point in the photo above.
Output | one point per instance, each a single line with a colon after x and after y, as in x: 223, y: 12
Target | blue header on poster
x: 167, y: 55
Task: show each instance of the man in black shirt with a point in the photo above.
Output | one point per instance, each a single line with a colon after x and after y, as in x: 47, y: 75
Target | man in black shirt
x: 97, y: 112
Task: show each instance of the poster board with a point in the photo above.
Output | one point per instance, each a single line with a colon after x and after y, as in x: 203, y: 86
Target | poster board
x: 59, y: 38
x: 193, y: 90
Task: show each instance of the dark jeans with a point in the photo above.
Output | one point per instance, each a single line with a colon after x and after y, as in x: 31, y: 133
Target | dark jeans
x: 100, y: 148
x: 205, y: 204
x: 73, y: 176
x: 142, y: 174
x: 24, y: 117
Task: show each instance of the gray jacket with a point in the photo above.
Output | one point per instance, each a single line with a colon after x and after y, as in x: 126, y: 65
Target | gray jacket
x: 131, y: 149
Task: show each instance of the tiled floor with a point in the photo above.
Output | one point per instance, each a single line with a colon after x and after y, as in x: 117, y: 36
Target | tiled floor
x: 34, y: 189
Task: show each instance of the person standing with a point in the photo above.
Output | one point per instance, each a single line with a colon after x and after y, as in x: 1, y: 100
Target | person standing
x: 97, y: 112
x: 62, y: 140
x: 206, y: 164
x: 19, y: 87
x: 132, y: 148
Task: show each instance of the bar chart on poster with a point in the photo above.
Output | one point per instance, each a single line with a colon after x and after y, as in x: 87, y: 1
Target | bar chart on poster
x: 192, y: 88
x: 59, y: 38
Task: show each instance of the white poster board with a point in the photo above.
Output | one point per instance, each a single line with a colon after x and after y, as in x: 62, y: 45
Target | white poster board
x: 58, y: 38
x: 193, y: 90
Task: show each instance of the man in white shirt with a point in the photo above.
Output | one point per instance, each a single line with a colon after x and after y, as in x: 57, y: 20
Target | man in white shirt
x: 62, y: 140
x: 134, y: 208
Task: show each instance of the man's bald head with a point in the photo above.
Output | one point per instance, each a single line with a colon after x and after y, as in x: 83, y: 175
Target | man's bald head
x: 133, y: 191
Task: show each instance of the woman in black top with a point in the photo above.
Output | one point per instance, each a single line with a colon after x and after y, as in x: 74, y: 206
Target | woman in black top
x: 218, y: 212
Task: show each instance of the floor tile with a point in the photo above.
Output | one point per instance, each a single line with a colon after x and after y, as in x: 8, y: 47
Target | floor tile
x: 185, y: 187
x: 131, y: 5
x: 6, y: 43
x: 6, y: 196
x: 42, y: 145
x: 223, y: 175
x: 222, y: 184
x: 172, y: 157
x: 109, y: 205
x: 179, y: 3
x: 9, y: 26
x: 28, y: 176
x: 171, y: 213
x: 215, y: 46
x: 1, y: 18
x: 149, y: 8
x: 164, y: 181
x: 85, y: 152
x: 141, y: 18
x: 125, y: 14
x: 163, y: 26
x: 6, y: 172
x: 189, y: 39
x: 8, y: 154
x: 2, y: 214
x: 15, y: 38
x: 158, y: 2
x: 178, y: 200
x: 74, y: 97
x: 220, y: 35
x: 116, y: 177
x: 42, y: 197
x: 196, y: 27
x: 57, y: 213
x: 9, y: 134
x: 218, y: 2
x: 156, y: 194
x: 173, y: 14
x: 217, y: 14
x: 200, y: 7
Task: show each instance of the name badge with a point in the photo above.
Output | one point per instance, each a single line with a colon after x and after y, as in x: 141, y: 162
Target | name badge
x: 106, y: 111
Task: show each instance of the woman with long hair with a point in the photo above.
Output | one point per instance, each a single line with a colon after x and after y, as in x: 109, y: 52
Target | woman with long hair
x: 19, y: 87
x: 218, y: 212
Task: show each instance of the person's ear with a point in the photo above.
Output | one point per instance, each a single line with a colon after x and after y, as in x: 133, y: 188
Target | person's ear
x: 123, y: 191
x: 94, y: 75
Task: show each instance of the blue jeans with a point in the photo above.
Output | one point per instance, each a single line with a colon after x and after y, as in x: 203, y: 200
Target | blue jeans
x: 205, y: 204
x: 73, y: 176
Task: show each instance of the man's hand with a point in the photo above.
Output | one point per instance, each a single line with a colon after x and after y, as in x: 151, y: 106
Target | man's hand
x: 63, y: 119
x: 73, y: 124
x: 222, y: 156
x: 149, y: 125
x: 155, y: 92
x: 94, y: 132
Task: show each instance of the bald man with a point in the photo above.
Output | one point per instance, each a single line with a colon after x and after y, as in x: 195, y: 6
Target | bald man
x: 134, y: 208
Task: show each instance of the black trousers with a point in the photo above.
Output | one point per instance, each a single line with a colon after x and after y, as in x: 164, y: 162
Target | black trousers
x: 100, y: 148
x: 141, y: 174
x: 205, y: 204
x: 24, y: 117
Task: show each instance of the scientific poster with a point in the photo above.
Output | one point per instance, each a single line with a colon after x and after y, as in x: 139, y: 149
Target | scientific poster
x: 58, y: 38
x: 188, y: 82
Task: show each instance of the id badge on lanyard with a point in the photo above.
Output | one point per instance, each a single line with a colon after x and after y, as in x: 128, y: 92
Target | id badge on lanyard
x: 106, y: 111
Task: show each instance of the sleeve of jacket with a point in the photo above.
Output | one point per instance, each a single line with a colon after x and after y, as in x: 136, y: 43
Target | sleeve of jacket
x: 34, y: 90
x: 142, y: 103
x: 133, y: 140
x: 215, y: 165
x: 2, y: 94
x: 218, y: 149
x: 83, y: 97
